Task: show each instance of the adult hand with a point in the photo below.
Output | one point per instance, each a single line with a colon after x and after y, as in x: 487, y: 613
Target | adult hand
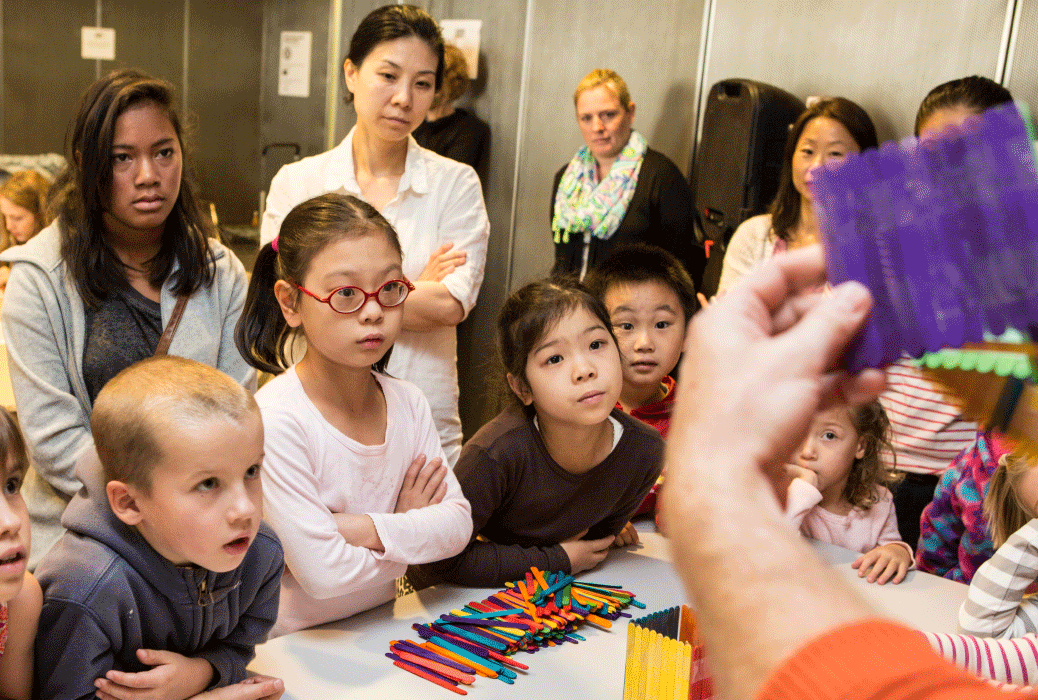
x: 442, y: 262
x: 173, y: 677
x: 759, y: 362
x: 422, y: 486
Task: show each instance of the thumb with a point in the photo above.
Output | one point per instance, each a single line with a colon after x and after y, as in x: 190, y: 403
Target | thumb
x: 818, y: 339
x: 264, y: 688
x: 156, y: 657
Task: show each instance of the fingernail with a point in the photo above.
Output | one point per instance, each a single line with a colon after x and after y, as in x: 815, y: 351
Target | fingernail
x: 852, y: 295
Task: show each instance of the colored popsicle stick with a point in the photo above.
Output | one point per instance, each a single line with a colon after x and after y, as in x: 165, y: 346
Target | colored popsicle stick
x: 477, y: 668
x: 421, y: 673
x: 436, y: 667
x: 413, y: 648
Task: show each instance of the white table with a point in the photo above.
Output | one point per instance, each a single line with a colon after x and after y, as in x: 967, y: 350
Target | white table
x: 346, y: 659
x: 922, y: 601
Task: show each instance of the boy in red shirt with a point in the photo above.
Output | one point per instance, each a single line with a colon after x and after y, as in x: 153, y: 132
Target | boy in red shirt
x: 650, y: 298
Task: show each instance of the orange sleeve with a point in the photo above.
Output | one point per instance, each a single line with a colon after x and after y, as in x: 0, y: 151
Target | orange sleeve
x: 874, y: 659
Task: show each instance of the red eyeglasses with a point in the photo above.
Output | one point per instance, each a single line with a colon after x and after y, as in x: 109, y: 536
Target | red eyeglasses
x: 346, y: 300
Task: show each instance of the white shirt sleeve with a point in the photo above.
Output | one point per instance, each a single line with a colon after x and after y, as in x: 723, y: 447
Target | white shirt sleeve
x: 317, y: 555
x: 436, y: 532
x: 280, y: 200
x: 464, y: 223
x: 746, y: 250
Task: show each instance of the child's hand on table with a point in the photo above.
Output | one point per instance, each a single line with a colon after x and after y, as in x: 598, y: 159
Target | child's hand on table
x: 883, y: 562
x: 627, y: 536
x: 422, y: 486
x: 174, y: 677
x: 586, y: 554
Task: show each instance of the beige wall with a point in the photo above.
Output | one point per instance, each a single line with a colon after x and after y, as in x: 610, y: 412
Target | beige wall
x: 884, y: 53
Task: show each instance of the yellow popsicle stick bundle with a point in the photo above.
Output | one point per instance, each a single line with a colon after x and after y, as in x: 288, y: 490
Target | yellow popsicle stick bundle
x: 665, y: 658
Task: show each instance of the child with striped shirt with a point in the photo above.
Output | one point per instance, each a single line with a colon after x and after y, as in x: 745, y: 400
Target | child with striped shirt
x: 999, y: 621
x: 995, y: 605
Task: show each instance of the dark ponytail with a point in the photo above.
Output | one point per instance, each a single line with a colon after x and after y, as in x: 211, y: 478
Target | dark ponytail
x: 262, y: 333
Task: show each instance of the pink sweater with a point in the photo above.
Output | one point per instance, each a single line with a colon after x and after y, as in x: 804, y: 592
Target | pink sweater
x: 859, y: 530
x: 312, y: 471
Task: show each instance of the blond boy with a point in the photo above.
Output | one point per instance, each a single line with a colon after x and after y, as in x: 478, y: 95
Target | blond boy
x: 166, y: 578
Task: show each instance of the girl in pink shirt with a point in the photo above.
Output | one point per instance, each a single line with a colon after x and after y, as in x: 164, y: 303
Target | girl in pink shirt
x: 355, y: 482
x: 838, y: 493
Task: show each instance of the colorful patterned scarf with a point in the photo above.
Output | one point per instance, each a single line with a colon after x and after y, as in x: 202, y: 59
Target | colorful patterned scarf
x: 3, y: 628
x: 581, y: 205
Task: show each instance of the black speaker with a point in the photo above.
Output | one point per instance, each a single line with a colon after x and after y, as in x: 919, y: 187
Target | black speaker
x: 745, y: 124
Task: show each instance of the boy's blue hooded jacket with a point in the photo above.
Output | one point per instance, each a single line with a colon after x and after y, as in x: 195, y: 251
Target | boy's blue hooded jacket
x: 108, y: 593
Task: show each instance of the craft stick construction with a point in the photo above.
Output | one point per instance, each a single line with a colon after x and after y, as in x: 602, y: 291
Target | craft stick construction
x: 665, y: 658
x: 943, y: 232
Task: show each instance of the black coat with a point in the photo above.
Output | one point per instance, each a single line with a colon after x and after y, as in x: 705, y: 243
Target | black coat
x: 661, y: 212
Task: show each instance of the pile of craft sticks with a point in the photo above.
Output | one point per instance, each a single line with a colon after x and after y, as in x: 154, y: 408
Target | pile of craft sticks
x: 542, y: 610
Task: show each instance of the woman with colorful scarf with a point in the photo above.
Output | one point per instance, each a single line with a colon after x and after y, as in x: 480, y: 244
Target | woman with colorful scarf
x: 617, y: 189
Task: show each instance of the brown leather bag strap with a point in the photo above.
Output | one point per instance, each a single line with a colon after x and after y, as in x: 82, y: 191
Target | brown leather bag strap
x: 171, y: 326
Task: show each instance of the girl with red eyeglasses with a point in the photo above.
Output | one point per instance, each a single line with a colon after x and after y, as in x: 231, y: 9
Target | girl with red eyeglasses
x: 356, y: 483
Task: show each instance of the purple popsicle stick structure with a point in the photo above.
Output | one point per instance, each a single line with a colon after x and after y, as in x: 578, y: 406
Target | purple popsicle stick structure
x: 944, y: 233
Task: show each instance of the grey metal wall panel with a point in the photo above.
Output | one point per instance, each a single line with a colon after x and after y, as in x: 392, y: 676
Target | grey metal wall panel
x: 1023, y: 77
x: 149, y: 36
x: 44, y: 77
x: 495, y: 99
x: 293, y: 119
x: 654, y: 47
x: 224, y: 56
x: 884, y: 55
x: 43, y: 73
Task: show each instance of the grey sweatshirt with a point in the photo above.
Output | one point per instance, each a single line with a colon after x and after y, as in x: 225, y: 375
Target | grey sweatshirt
x: 44, y: 328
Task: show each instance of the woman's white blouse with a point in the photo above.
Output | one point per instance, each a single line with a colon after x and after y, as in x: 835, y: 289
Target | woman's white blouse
x: 439, y: 200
